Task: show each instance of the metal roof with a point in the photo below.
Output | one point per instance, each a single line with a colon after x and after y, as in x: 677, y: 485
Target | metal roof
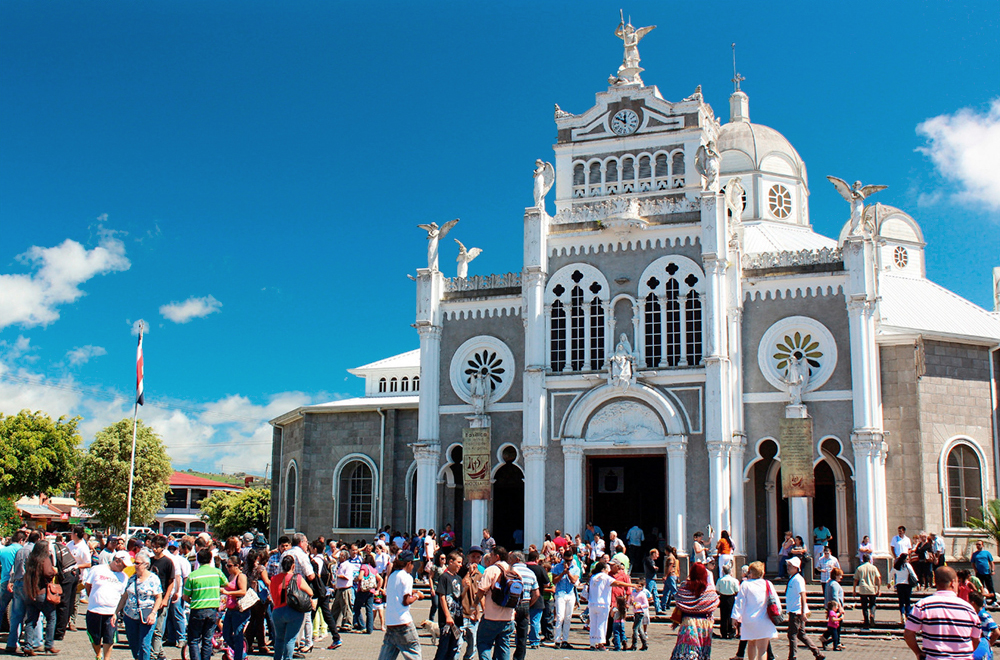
x: 918, y: 305
x: 780, y: 237
x: 410, y: 359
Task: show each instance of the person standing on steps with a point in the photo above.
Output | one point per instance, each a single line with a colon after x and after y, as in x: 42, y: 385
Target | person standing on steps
x: 798, y: 611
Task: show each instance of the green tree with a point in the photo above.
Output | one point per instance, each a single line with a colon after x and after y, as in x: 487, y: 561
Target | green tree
x: 231, y: 513
x: 37, y: 454
x: 103, y: 474
x: 10, y: 519
x: 990, y: 522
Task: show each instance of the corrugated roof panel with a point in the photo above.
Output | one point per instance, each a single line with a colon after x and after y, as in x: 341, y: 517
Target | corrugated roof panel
x: 774, y: 237
x: 923, y: 306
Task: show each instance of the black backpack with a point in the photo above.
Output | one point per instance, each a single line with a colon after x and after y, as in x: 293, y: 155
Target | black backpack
x: 65, y: 562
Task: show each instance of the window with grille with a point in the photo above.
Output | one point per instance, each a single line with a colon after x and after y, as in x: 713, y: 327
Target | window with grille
x: 653, y: 331
x: 596, y: 333
x: 965, y: 485
x: 357, y: 495
x: 577, y: 318
x: 673, y: 329
x: 291, y: 488
x: 381, y: 384
x: 558, y: 339
x: 692, y: 312
x: 577, y: 328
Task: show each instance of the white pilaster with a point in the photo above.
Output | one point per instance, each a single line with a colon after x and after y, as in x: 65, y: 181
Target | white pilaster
x: 736, y: 494
x: 677, y: 491
x: 534, y: 494
x: 427, y: 461
x: 718, y: 463
x: 572, y: 486
x: 798, y: 513
x: 426, y: 450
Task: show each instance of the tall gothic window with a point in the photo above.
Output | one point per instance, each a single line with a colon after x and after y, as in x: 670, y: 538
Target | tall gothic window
x: 357, y: 496
x: 692, y: 311
x: 654, y: 336
x: 291, y: 491
x: 672, y: 289
x: 577, y: 320
x: 673, y: 324
x: 965, y: 485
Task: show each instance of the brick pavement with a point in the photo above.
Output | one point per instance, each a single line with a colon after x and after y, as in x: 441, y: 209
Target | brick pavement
x: 357, y: 646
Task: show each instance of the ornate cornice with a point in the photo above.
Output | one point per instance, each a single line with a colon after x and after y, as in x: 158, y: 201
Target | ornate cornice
x: 623, y: 207
x: 483, y: 282
x: 764, y: 260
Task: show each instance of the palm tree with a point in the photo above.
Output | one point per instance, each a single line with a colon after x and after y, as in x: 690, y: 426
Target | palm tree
x: 990, y: 522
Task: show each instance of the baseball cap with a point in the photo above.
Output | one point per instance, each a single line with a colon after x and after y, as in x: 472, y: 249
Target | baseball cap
x: 122, y: 554
x: 259, y: 542
x: 794, y: 561
x: 248, y: 537
x: 476, y: 548
x: 405, y: 556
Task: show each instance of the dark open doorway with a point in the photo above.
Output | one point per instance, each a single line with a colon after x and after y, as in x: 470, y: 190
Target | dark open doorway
x: 625, y: 491
x: 508, y: 502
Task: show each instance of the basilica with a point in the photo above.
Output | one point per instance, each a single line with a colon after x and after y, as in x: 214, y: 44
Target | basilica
x: 679, y: 351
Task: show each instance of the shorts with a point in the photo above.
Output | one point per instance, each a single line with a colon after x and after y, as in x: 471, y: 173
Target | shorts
x: 100, y: 630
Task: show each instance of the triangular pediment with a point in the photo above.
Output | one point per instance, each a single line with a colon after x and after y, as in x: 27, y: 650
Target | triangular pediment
x: 643, y: 111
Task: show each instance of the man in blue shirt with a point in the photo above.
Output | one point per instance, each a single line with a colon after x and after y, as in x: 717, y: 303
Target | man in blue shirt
x: 565, y: 575
x: 982, y: 561
x: 591, y: 531
x: 6, y: 566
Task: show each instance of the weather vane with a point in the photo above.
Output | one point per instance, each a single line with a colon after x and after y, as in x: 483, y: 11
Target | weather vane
x: 737, y: 78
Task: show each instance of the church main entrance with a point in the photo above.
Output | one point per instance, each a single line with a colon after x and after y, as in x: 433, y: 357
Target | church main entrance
x: 623, y: 491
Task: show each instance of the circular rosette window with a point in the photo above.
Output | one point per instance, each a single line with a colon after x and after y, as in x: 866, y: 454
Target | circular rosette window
x: 484, y: 363
x: 800, y: 338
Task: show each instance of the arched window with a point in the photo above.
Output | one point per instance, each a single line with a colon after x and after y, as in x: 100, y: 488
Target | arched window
x: 965, y: 485
x: 355, y: 509
x: 673, y: 290
x: 645, y: 169
x: 404, y: 384
x: 381, y: 384
x: 416, y: 383
x: 393, y: 384
x: 579, y: 176
x: 611, y: 175
x: 558, y: 337
x: 577, y: 329
x: 594, y: 179
x: 628, y: 174
x: 677, y: 165
x: 654, y: 333
x: 291, y: 494
x: 596, y: 330
x: 577, y: 320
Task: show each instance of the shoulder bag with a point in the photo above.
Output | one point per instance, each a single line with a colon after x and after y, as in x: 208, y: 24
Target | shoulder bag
x: 53, y: 592
x: 295, y: 597
x: 774, y: 611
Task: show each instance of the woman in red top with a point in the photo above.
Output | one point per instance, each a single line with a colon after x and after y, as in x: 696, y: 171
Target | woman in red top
x: 235, y: 622
x: 286, y: 620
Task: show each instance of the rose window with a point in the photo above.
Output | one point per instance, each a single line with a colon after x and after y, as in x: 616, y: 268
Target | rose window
x: 900, y: 256
x: 780, y: 201
x: 486, y: 364
x: 802, y: 347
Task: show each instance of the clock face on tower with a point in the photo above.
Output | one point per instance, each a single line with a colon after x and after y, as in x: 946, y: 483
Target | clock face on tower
x: 625, y: 122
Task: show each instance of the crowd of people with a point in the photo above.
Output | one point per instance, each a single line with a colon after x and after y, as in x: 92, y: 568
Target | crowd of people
x: 241, y: 596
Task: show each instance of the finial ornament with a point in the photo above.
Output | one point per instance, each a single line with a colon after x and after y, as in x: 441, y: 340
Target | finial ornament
x: 856, y: 196
x: 545, y: 176
x: 737, y: 78
x: 435, y: 234
x: 628, y: 72
x: 464, y: 257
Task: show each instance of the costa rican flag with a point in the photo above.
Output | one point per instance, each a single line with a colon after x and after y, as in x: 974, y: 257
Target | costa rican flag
x: 138, y: 372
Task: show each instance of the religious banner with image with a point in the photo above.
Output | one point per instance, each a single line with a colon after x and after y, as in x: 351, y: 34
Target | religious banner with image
x: 796, y: 439
x: 476, y: 463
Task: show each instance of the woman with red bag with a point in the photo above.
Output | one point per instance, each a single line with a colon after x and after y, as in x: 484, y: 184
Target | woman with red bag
x: 751, y: 611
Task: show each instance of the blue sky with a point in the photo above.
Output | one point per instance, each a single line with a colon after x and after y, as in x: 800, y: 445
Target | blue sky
x: 247, y: 176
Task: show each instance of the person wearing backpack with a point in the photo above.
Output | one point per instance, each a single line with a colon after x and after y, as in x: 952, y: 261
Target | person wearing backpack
x: 288, y: 615
x: 68, y: 576
x: 502, y: 589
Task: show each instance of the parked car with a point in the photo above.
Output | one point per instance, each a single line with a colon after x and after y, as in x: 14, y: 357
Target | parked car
x: 140, y: 534
x: 177, y: 536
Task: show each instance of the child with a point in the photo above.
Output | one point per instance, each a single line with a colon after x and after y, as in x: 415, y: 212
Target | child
x: 834, y: 615
x: 640, y: 613
x: 379, y: 609
x: 990, y: 631
x: 618, y: 630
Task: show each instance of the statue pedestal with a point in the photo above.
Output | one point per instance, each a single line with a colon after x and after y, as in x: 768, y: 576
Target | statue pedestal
x: 796, y: 411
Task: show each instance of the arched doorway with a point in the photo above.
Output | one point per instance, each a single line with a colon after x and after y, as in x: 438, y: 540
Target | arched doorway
x: 508, y: 500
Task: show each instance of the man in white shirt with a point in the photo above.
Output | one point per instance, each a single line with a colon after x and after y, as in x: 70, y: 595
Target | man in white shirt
x: 80, y: 550
x: 795, y: 606
x: 105, y: 585
x: 300, y: 552
x: 900, y: 543
x: 400, y: 633
x: 827, y: 562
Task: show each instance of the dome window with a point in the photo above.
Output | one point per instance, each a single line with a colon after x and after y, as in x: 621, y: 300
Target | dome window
x: 780, y: 201
x: 900, y: 256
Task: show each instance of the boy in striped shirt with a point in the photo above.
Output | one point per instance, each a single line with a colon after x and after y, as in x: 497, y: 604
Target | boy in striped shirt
x: 948, y: 625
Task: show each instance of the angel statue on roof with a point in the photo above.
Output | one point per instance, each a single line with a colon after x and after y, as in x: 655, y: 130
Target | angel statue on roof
x: 856, y: 195
x: 545, y: 176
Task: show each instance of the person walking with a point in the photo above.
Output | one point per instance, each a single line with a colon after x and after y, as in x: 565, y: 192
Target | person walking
x: 696, y: 600
x: 472, y: 607
x: 798, y: 610
x: 39, y: 573
x: 400, y: 634
x: 235, y: 621
x: 163, y: 567
x: 7, y: 554
x: 671, y: 571
x: 105, y: 584
x: 16, y: 587
x: 201, y: 593
x: 984, y: 564
x: 903, y: 577
x: 727, y: 587
x: 565, y: 575
x: 496, y: 630
x: 449, y: 592
x: 868, y: 582
x: 649, y: 574
x: 949, y: 626
x: 750, y: 612
x: 258, y: 580
x: 141, y: 603
x: 287, y: 621
x: 600, y: 600
x: 530, y: 594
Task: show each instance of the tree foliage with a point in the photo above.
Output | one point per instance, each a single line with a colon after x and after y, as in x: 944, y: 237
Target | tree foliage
x: 103, y: 474
x: 990, y: 522
x: 231, y: 513
x: 10, y: 519
x: 37, y: 454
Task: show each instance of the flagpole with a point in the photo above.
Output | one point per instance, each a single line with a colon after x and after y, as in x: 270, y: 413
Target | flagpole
x: 135, y: 417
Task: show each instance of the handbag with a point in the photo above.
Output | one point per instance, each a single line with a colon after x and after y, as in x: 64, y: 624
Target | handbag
x: 53, y: 592
x: 676, y: 616
x: 295, y: 597
x: 774, y: 612
x: 911, y: 578
x: 249, y: 599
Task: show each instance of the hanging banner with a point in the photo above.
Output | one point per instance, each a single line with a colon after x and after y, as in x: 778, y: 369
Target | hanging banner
x: 476, y: 463
x: 796, y: 439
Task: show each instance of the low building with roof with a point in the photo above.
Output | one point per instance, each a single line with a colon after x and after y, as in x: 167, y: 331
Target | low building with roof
x: 679, y: 350
x: 182, y: 503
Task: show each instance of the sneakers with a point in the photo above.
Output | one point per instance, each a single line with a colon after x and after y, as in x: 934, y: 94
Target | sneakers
x: 336, y: 645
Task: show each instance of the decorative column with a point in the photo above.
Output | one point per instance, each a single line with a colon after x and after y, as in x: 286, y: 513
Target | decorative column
x: 843, y: 554
x: 772, y: 521
x: 718, y: 478
x: 677, y: 491
x: 427, y: 461
x: 572, y: 486
x: 736, y: 494
x: 534, y: 429
x: 427, y: 448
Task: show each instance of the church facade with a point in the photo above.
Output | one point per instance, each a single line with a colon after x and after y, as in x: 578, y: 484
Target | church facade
x: 670, y: 323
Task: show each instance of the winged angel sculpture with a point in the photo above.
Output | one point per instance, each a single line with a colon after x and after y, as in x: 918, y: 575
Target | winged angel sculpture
x: 435, y: 234
x: 629, y: 71
x: 707, y: 162
x: 464, y: 257
x: 856, y: 196
x: 545, y: 176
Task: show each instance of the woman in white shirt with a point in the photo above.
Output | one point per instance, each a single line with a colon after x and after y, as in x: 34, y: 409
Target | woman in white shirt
x: 750, y: 612
x: 899, y: 576
x: 865, y: 547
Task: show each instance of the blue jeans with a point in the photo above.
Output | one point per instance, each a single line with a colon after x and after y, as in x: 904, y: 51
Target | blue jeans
x: 494, y: 635
x: 535, y: 631
x: 233, y: 626
x: 286, y: 628
x: 669, y: 591
x: 469, y: 631
x: 16, y: 615
x: 782, y: 569
x: 33, y: 627
x: 400, y: 640
x: 176, y: 632
x: 5, y: 598
x: 447, y: 646
x: 363, y: 602
x: 140, y: 637
x: 651, y: 587
x: 201, y: 629
x: 618, y: 634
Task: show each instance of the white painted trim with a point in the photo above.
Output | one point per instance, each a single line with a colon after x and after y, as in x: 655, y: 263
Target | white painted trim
x: 757, y: 457
x: 410, y: 496
x: 793, y: 286
x: 337, y: 476
x: 577, y: 243
x: 444, y: 475
x: 465, y: 409
x: 782, y: 397
x: 585, y: 406
x: 455, y: 310
x: 953, y: 442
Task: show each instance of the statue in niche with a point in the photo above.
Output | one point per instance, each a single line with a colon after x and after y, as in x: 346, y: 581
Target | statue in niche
x: 629, y: 71
x: 545, y: 176
x: 707, y: 162
x: 622, y: 364
x: 435, y: 234
x: 734, y: 198
x: 856, y: 196
x: 796, y: 379
x: 464, y: 257
x: 479, y: 392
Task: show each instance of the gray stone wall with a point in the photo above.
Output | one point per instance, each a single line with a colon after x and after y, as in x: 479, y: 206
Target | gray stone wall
x: 904, y: 474
x: 455, y: 332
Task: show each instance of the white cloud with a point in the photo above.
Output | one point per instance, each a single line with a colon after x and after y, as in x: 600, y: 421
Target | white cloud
x: 32, y: 299
x: 82, y: 354
x: 192, y: 308
x: 965, y: 148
